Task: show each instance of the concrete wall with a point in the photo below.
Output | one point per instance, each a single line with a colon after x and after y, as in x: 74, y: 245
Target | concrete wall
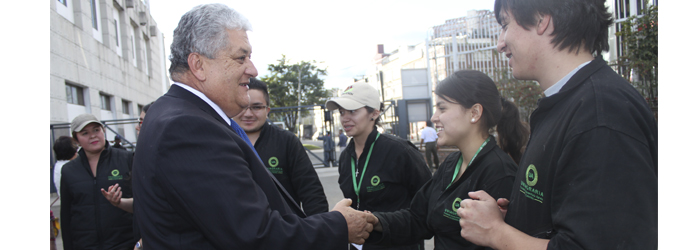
x: 89, y: 58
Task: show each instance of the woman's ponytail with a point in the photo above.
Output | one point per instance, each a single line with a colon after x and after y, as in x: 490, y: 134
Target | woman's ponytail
x: 512, y: 133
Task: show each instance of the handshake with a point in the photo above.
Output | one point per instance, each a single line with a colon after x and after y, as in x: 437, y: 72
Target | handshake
x: 360, y: 224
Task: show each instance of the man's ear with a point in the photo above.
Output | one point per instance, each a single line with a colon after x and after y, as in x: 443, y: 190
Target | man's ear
x: 196, y: 63
x: 544, y: 23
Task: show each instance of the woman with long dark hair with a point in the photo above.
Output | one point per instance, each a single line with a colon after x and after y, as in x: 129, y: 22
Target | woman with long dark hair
x: 468, y: 107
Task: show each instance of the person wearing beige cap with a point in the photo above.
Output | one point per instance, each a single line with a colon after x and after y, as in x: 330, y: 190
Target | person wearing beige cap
x: 87, y: 218
x: 378, y: 172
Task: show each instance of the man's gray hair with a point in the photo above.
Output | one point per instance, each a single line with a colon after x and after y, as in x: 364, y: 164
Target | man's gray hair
x: 203, y: 30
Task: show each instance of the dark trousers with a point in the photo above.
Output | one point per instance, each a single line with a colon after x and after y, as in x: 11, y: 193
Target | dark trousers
x: 431, y: 154
x: 329, y: 157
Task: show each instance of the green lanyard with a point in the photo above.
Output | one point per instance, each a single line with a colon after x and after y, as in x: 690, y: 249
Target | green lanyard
x: 459, y: 163
x: 354, y: 179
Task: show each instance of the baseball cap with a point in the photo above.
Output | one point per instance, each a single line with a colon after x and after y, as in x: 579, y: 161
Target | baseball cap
x: 79, y: 122
x: 356, y: 96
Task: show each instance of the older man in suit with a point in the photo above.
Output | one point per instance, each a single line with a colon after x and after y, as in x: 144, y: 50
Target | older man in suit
x: 198, y: 184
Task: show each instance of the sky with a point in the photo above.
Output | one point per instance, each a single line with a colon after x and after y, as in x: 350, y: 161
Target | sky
x: 342, y: 37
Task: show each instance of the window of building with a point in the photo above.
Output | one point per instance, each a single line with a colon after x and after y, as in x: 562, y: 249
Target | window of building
x: 93, y: 11
x: 65, y: 9
x: 133, y: 46
x: 117, y: 31
x: 105, y: 102
x: 126, y: 107
x: 140, y: 107
x: 74, y: 95
x: 95, y: 18
x: 146, y: 58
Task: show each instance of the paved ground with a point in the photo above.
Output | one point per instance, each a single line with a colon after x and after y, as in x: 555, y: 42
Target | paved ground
x: 329, y: 180
x: 328, y: 177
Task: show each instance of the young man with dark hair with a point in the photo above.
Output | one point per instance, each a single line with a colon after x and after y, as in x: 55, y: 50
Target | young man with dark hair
x: 281, y: 152
x: 589, y: 176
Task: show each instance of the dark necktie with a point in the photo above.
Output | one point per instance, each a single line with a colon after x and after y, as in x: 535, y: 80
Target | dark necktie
x: 243, y: 135
x: 290, y: 200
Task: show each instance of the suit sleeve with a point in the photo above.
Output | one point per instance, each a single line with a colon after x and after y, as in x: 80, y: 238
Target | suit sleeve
x: 605, y: 198
x: 206, y: 178
x: 306, y: 184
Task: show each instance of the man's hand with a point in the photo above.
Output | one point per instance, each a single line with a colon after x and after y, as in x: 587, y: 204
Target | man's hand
x: 377, y: 225
x: 113, y: 195
x: 503, y: 206
x: 480, y: 218
x: 359, y: 224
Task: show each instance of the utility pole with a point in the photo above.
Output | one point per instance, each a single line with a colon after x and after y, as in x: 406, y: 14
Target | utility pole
x: 299, y: 102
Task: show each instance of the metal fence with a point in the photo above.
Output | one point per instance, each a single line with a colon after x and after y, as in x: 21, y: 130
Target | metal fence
x: 58, y: 129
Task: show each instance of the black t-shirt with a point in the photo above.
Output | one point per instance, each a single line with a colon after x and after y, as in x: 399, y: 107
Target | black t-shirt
x: 285, y: 157
x: 433, y: 211
x: 395, y: 172
x: 588, y: 179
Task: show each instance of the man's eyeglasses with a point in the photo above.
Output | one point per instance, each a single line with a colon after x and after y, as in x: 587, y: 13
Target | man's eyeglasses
x: 257, y: 108
x: 140, y: 121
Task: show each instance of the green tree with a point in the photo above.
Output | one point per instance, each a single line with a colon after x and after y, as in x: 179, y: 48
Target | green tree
x: 283, y: 86
x: 639, y: 36
x: 524, y: 94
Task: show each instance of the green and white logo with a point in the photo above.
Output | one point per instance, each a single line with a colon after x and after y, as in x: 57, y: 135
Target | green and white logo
x: 273, y: 161
x: 375, y: 180
x: 376, y: 184
x: 531, y: 175
x: 115, y: 175
x: 527, y: 187
x: 455, y: 204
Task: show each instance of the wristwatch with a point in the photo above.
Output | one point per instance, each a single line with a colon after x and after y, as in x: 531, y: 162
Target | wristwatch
x: 138, y: 245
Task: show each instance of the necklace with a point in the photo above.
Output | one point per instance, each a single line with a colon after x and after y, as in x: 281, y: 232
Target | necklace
x: 355, y: 184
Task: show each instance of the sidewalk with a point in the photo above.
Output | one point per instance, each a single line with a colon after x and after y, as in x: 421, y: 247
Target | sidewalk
x: 319, y: 152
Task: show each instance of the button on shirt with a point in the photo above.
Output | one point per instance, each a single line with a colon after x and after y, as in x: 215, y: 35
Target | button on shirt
x: 428, y: 134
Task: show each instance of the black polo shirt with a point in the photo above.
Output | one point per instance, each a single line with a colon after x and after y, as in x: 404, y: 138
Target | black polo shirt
x: 588, y: 178
x: 433, y: 211
x: 395, y: 172
x: 285, y: 156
